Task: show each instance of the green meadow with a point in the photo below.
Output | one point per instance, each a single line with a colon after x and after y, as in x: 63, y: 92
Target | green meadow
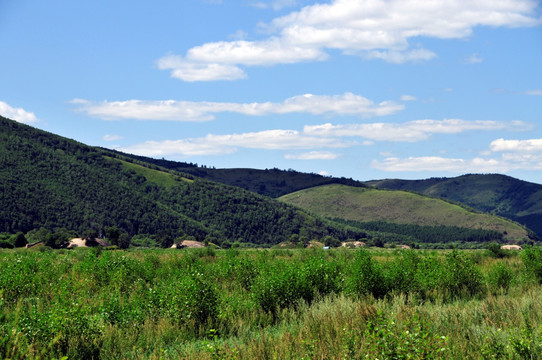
x: 270, y: 304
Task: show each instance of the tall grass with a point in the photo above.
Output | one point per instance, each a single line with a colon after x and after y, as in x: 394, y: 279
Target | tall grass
x: 293, y: 304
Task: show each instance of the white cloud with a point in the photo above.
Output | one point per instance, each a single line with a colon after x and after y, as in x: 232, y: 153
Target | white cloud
x: 17, y: 114
x: 411, y: 131
x: 400, y: 57
x: 193, y: 71
x: 227, y: 144
x: 473, y: 59
x: 110, y: 137
x: 534, y: 92
x: 375, y: 29
x: 515, y: 155
x: 345, y: 104
x: 238, y: 35
x: 408, y: 98
x: 275, y: 4
x: 313, y: 155
x: 435, y: 164
x: 527, y: 146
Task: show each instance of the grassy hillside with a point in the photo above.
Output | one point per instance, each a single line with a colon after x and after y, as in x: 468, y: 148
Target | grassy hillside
x: 400, y: 207
x: 502, y: 195
x: 268, y: 182
x: 53, y: 182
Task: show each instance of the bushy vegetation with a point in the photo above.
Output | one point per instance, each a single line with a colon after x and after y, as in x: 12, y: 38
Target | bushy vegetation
x: 238, y: 304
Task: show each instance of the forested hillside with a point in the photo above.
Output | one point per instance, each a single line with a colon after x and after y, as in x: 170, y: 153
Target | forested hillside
x: 269, y: 182
x: 502, y: 195
x: 53, y: 182
x: 429, y: 220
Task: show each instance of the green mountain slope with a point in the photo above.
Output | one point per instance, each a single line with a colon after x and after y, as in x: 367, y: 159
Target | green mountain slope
x: 268, y: 182
x: 55, y: 182
x: 502, y: 195
x: 399, y: 207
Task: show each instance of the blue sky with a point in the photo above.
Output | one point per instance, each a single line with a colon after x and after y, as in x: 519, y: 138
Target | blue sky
x: 366, y: 89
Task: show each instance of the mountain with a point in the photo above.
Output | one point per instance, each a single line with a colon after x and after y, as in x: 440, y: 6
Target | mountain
x: 53, y: 182
x: 370, y: 206
x: 501, y: 195
x: 269, y: 182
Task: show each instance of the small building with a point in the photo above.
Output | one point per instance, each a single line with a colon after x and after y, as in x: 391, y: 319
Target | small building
x: 511, y: 247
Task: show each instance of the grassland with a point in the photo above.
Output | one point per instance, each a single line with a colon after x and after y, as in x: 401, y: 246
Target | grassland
x: 366, y: 204
x: 270, y: 304
x: 161, y: 178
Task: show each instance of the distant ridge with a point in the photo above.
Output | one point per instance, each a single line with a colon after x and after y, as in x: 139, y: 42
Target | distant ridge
x: 269, y: 182
x: 497, y: 194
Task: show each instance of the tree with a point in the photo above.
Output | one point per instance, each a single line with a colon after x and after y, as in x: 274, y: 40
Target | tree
x: 164, y: 238
x: 19, y: 240
x: 124, y: 240
x: 332, y: 241
x: 34, y: 236
x: 113, y: 234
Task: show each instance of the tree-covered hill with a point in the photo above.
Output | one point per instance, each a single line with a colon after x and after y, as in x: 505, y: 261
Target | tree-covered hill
x: 374, y: 209
x: 269, y: 182
x: 53, y: 182
x: 501, y: 195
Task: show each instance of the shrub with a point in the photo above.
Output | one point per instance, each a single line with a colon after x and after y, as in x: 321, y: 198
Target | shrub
x: 496, y: 252
x: 367, y: 276
x: 500, y: 277
x: 402, y: 273
x: 532, y: 259
x: 385, y: 339
x: 281, y: 286
x: 461, y: 277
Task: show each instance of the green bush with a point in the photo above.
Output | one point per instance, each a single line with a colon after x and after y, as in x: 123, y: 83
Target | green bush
x: 461, y: 277
x: 367, y: 276
x: 385, y: 339
x: 500, y: 277
x: 532, y: 259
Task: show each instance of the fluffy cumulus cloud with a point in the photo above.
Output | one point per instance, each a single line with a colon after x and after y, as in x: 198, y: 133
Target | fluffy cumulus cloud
x: 17, y: 114
x: 374, y: 29
x: 345, y: 104
x: 504, y: 156
x: 226, y: 144
x: 525, y: 146
x: 316, y: 138
x: 411, y: 131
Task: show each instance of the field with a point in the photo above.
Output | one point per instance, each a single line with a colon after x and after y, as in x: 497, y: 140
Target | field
x: 270, y: 304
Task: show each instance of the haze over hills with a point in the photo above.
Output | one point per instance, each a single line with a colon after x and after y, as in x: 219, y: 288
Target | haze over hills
x: 53, y: 182
x: 502, y: 195
x: 398, y: 207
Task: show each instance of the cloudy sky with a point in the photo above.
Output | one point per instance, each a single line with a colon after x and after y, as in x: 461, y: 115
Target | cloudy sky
x: 366, y: 89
